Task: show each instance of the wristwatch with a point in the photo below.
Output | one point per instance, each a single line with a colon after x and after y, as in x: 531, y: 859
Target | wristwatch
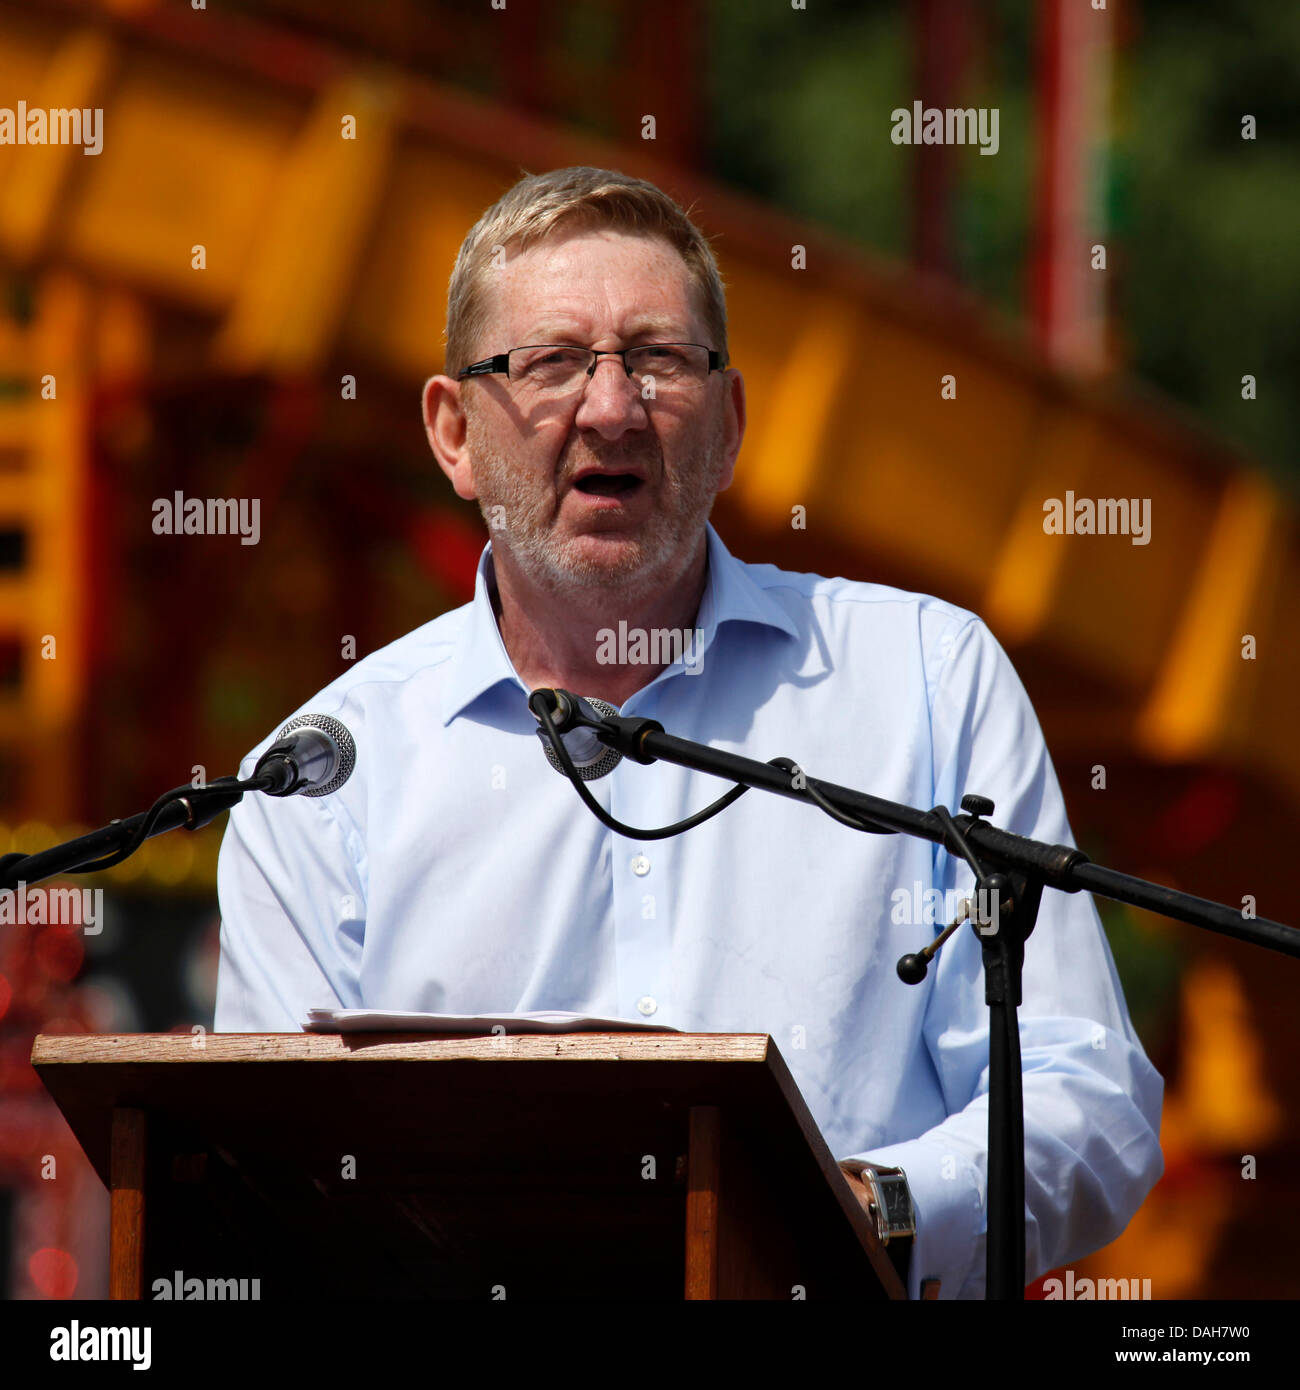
x: 891, y: 1199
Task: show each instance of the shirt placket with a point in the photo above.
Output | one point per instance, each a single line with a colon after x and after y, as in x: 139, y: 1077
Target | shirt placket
x: 641, y: 928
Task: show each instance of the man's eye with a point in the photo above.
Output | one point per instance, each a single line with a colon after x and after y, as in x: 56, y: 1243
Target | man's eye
x: 659, y: 359
x: 557, y: 359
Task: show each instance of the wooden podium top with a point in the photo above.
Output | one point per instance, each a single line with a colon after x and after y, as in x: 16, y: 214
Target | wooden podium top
x: 89, y: 1074
x: 49, y: 1049
x: 579, y: 1121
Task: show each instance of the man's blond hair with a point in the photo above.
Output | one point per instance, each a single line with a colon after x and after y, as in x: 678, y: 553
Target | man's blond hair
x: 576, y: 197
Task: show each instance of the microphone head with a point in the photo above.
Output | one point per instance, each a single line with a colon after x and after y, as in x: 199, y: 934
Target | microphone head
x: 591, y: 757
x: 344, y: 746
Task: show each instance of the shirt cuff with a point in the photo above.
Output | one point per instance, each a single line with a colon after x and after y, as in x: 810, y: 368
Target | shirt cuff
x: 948, y: 1198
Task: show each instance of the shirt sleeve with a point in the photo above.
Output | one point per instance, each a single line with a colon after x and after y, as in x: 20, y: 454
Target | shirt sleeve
x: 290, y: 879
x: 1092, y: 1099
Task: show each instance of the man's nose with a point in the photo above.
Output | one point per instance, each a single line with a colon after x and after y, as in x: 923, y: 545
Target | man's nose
x: 611, y: 400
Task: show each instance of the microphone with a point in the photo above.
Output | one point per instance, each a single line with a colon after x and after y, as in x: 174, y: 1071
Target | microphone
x: 590, y: 756
x: 312, y: 755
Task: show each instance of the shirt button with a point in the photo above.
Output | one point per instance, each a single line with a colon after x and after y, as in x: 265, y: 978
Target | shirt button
x: 640, y: 866
x: 646, y: 1005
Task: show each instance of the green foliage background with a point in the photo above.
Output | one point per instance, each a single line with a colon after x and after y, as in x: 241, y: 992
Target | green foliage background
x: 1202, y: 225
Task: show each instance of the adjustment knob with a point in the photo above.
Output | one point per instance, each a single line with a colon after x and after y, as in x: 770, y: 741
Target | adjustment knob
x: 911, y: 969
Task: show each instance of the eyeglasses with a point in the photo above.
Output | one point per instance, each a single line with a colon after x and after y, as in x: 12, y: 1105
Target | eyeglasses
x: 556, y: 369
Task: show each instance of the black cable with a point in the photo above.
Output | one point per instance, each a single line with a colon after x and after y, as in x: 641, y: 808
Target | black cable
x: 145, y: 828
x: 834, y: 812
x: 785, y: 764
x: 603, y: 816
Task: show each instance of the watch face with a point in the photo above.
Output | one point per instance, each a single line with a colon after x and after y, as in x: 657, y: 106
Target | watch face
x: 898, y: 1214
x: 898, y: 1209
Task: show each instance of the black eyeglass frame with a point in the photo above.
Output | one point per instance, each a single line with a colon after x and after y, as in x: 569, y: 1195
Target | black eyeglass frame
x: 500, y: 363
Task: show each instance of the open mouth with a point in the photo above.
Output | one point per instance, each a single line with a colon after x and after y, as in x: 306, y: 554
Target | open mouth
x: 609, y: 484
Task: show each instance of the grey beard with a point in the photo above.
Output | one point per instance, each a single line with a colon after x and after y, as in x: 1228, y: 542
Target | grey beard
x: 520, y: 526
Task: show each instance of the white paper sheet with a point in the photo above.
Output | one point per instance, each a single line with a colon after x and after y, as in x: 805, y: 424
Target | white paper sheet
x: 393, y: 1021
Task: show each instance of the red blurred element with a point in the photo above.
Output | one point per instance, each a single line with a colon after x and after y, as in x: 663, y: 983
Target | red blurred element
x: 59, y: 953
x: 21, y: 1135
x: 54, y: 1272
x: 182, y: 433
x: 660, y: 68
x: 448, y: 548
x: 942, y: 37
x: 1199, y: 817
x: 11, y: 660
x: 1074, y: 57
x: 60, y: 1220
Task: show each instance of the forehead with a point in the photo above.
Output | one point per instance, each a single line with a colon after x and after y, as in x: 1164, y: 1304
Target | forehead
x: 590, y: 285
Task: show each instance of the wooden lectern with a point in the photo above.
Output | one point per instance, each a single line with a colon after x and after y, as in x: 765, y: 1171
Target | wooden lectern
x: 394, y: 1165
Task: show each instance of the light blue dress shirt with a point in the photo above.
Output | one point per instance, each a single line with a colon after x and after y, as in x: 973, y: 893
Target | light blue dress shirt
x: 456, y: 872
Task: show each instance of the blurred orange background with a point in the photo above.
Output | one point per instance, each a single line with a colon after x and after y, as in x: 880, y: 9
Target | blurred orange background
x: 283, y: 361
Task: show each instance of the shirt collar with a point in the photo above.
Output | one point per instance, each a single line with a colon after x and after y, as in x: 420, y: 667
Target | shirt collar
x: 481, y: 661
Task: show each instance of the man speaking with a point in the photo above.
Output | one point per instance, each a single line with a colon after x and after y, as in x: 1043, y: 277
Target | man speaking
x: 589, y: 409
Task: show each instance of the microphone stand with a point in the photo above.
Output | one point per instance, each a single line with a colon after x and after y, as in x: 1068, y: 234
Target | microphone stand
x: 1009, y: 869
x: 289, y: 765
x: 187, y: 808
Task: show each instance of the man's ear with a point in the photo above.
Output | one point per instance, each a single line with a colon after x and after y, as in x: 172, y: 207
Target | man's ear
x: 446, y: 428
x: 733, y: 429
